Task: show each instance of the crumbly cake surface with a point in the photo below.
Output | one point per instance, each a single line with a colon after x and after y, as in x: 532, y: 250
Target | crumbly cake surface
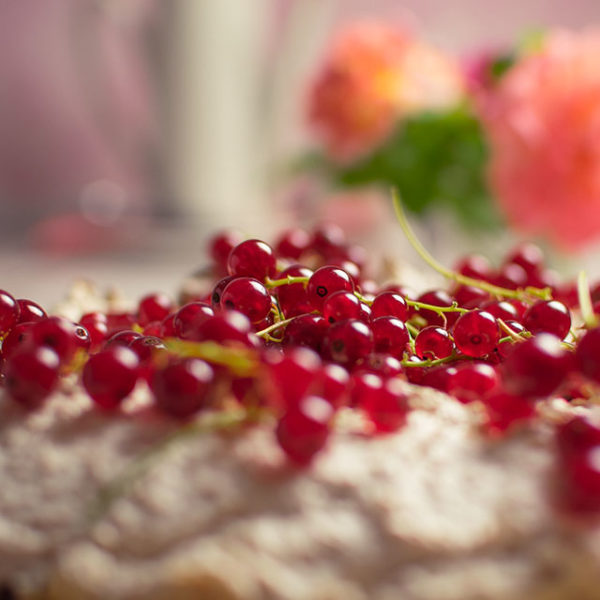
x: 435, y: 511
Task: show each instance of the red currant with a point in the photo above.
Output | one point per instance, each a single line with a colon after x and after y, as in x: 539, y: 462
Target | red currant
x: 433, y: 343
x: 252, y: 258
x: 326, y: 281
x: 476, y: 333
x: 549, y: 316
x: 248, y: 296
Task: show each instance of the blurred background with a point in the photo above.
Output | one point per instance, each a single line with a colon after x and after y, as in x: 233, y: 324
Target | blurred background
x: 131, y: 130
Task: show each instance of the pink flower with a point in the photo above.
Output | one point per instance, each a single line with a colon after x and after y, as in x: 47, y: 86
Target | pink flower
x: 372, y: 75
x: 543, y: 122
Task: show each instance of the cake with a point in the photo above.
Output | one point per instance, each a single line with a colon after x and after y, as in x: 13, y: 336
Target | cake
x: 411, y: 482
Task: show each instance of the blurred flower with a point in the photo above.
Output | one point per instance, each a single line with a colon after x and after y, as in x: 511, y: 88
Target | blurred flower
x: 373, y: 75
x: 543, y: 122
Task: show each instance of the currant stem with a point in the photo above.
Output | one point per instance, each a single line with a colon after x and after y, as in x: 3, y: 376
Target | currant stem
x: 494, y: 290
x: 430, y: 362
x: 242, y: 361
x: 437, y: 309
x: 590, y: 319
x: 267, y: 330
x: 289, y: 280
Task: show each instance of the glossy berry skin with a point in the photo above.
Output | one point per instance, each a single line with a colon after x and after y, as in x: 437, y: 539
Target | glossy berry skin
x: 550, y: 316
x: 167, y: 326
x: 473, y: 381
x: 432, y: 343
x: 122, y: 338
x: 110, y: 375
x: 119, y: 322
x: 217, y: 292
x: 331, y: 383
x: 183, y: 388
x: 476, y: 333
x: 436, y: 298
x: 536, y: 367
x: 390, y: 336
x: 501, y: 310
x: 348, y: 341
x: 31, y: 374
x: 147, y: 346
x: 248, y: 296
x: 384, y: 365
x: 154, y: 307
x: 30, y: 311
x: 62, y: 335
x: 9, y: 312
x: 528, y: 256
x: 252, y: 258
x: 292, y: 244
x: 228, y: 327
x: 504, y: 349
x: 19, y: 337
x: 364, y: 314
x: 97, y: 327
x: 326, y: 281
x: 475, y: 266
x: 288, y: 376
x: 389, y: 304
x: 386, y: 407
x: 189, y: 317
x: 587, y: 354
x: 467, y: 296
x: 328, y: 239
x: 293, y: 299
x: 340, y: 306
x: 440, y: 377
x: 511, y: 276
x: 303, y: 431
x: 306, y: 330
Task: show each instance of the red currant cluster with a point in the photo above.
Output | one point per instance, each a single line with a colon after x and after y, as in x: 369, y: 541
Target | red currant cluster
x: 297, y: 330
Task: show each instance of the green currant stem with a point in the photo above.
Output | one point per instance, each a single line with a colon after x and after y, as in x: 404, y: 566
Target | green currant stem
x: 140, y: 465
x: 242, y: 361
x: 513, y: 335
x: 267, y: 330
x: 414, y: 331
x: 363, y: 299
x: 430, y: 362
x: 437, y: 309
x: 590, y: 319
x: 289, y: 280
x: 494, y: 290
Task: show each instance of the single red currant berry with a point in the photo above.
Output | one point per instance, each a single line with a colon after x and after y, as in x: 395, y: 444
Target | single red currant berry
x: 146, y: 347
x: 433, y: 343
x: 248, y: 296
x: 326, y: 281
x: 468, y: 296
x: 549, y: 316
x: 389, y: 304
x: 252, y: 258
x: 505, y: 411
x: 384, y: 365
x: 122, y: 338
x: 473, y: 381
x: 18, y: 338
x: 289, y: 375
x: 221, y: 246
x: 476, y: 333
x: 292, y: 244
x: 31, y: 374
x: 306, y: 330
x: 437, y: 298
x: 9, y: 312
x: 577, y: 435
x: 390, y: 336
x: 365, y: 314
x: 189, y: 317
x: 501, y: 310
x: 587, y: 354
x: 167, y: 326
x: 475, y: 266
x: 511, y: 276
x: 96, y: 325
x: 30, y: 311
x: 327, y: 239
x: 386, y: 407
x: 154, y: 307
x: 536, y: 367
x: 340, y: 306
x: 292, y: 298
x: 110, y: 375
x: 439, y: 378
x: 228, y: 327
x: 528, y: 256
x: 331, y: 383
x: 505, y: 348
x: 217, y: 291
x: 348, y: 341
x: 62, y: 335
x: 303, y: 431
x: 183, y: 388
